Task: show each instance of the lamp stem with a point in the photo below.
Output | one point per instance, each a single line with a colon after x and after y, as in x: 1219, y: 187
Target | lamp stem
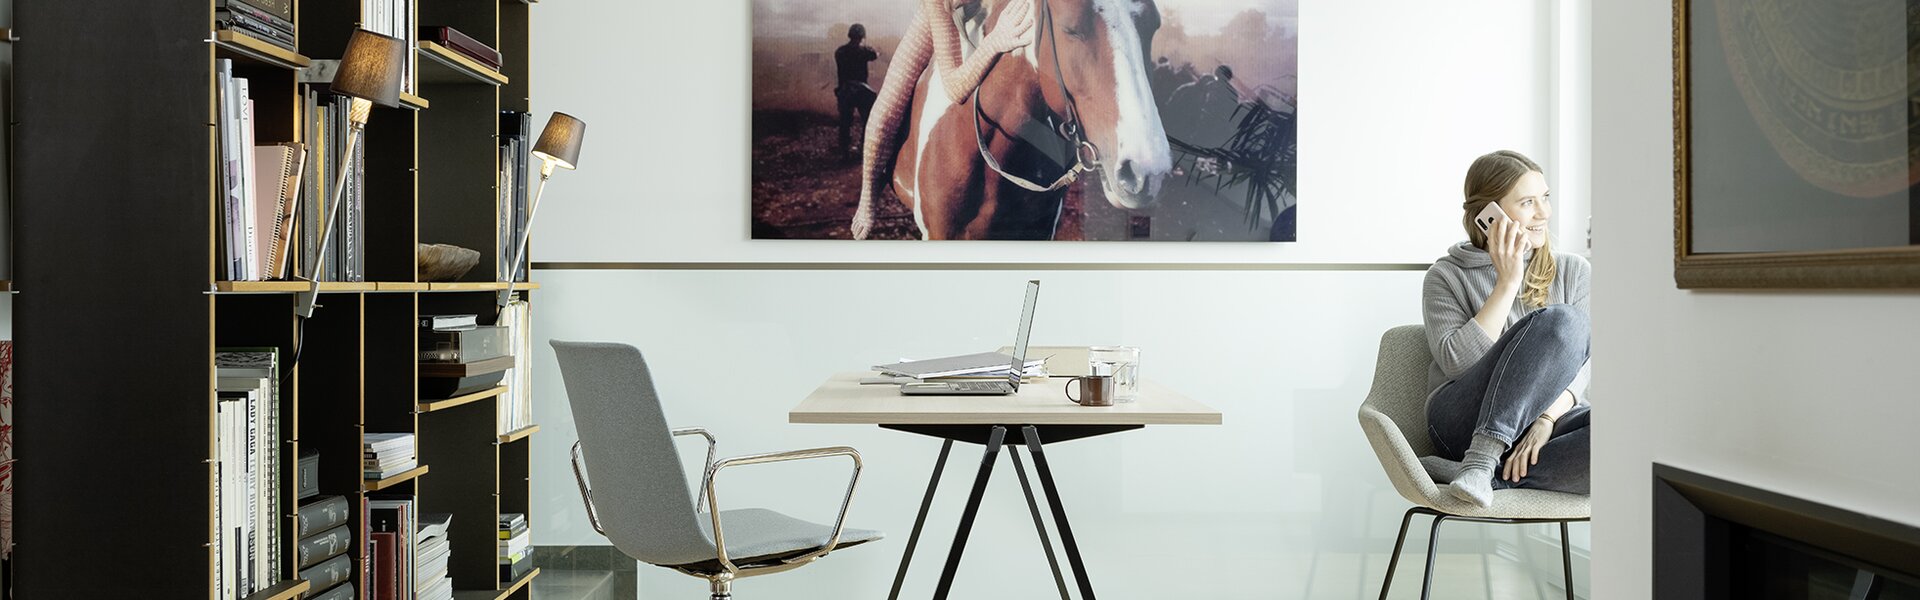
x: 304, y: 302
x: 520, y: 246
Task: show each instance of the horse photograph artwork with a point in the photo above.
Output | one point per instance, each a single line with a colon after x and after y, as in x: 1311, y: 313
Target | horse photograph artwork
x: 1100, y: 120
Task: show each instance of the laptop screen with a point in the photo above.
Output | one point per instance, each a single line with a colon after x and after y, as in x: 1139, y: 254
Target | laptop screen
x: 1020, y: 338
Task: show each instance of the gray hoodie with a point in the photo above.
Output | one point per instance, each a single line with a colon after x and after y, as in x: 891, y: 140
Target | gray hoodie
x: 1460, y: 282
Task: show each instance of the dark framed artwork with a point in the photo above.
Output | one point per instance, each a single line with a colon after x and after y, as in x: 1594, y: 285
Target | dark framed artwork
x: 1122, y: 120
x: 1796, y: 142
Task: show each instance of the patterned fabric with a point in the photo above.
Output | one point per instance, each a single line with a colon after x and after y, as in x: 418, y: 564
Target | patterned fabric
x: 1394, y: 418
x: 6, y: 449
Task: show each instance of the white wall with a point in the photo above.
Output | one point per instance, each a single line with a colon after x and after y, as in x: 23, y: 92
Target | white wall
x: 1398, y: 97
x: 1808, y: 394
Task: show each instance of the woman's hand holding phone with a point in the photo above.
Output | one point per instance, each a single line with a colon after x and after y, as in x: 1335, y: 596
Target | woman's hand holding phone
x: 1507, y: 243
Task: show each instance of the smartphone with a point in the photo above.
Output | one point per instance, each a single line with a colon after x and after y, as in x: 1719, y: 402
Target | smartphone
x: 1488, y: 216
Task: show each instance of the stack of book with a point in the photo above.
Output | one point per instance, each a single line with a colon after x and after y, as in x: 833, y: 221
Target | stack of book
x: 326, y: 129
x: 248, y: 555
x: 392, y: 525
x: 516, y: 550
x: 268, y: 20
x: 325, y: 538
x: 395, y: 18
x: 516, y: 404
x: 431, y: 555
x: 516, y: 146
x: 387, y: 454
x: 459, y: 356
x: 459, y: 42
x: 259, y: 188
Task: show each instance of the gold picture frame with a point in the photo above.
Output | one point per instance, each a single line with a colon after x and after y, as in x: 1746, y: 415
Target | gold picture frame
x: 1860, y: 268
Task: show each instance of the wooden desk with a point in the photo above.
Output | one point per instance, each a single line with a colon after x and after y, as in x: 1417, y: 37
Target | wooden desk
x: 1039, y: 414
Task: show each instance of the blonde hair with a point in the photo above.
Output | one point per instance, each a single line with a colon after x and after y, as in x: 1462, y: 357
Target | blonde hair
x: 1489, y: 179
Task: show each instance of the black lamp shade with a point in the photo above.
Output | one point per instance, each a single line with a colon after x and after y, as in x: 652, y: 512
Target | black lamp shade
x: 560, y: 141
x: 370, y: 68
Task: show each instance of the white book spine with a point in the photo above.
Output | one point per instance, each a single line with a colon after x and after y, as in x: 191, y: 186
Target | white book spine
x: 250, y: 254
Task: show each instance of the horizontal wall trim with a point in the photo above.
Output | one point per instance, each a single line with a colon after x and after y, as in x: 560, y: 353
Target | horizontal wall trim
x: 965, y: 266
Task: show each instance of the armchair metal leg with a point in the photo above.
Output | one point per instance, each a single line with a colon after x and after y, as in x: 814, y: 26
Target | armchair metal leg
x: 1433, y: 548
x: 913, y: 539
x: 1566, y: 557
x: 994, y: 440
x: 1039, y: 524
x: 722, y: 589
x: 1393, y: 560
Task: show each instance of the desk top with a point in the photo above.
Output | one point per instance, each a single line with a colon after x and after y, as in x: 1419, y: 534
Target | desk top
x: 843, y: 400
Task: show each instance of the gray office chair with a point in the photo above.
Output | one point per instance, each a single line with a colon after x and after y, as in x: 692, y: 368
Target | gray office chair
x: 641, y: 504
x: 1394, y: 417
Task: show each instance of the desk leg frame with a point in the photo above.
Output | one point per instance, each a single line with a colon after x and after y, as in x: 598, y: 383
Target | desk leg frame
x: 1039, y: 524
x: 987, y: 460
x: 913, y: 539
x: 1032, y: 436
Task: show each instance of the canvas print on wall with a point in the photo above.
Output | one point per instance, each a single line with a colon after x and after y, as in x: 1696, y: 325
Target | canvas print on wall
x: 1164, y: 120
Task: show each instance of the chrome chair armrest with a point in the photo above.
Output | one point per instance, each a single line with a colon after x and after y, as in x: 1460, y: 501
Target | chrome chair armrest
x: 586, y: 495
x: 706, y: 471
x: 713, y: 502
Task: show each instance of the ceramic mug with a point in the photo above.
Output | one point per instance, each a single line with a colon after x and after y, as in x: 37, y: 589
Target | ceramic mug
x: 1096, y: 390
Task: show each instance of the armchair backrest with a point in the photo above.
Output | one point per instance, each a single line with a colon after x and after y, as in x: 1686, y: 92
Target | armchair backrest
x: 1394, y: 415
x: 639, y: 488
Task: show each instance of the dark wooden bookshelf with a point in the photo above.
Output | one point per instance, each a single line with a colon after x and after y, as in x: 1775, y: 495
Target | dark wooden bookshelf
x: 125, y: 287
x: 507, y: 590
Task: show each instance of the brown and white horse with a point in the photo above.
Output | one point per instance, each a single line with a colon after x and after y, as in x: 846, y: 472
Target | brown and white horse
x: 1077, y: 99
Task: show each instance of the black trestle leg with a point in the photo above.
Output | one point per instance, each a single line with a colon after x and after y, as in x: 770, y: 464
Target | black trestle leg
x: 1032, y: 436
x: 991, y: 456
x: 913, y: 539
x: 1039, y: 524
x: 1433, y: 551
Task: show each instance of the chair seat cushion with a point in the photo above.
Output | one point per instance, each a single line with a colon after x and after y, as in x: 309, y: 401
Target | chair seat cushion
x: 1513, y: 504
x: 757, y: 535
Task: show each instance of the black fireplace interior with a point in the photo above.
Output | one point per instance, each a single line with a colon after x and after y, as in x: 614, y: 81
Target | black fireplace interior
x: 1715, y: 540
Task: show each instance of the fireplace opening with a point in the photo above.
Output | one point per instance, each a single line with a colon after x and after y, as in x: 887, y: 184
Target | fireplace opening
x: 1716, y: 539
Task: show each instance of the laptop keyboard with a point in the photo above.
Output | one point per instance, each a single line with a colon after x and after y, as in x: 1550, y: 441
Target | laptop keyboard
x: 977, y: 386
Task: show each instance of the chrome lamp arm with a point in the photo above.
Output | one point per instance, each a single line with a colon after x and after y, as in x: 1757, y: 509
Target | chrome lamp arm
x: 713, y: 502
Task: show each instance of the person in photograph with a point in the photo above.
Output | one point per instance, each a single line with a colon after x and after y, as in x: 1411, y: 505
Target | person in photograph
x: 933, y: 35
x: 1507, y: 322
x: 851, y: 91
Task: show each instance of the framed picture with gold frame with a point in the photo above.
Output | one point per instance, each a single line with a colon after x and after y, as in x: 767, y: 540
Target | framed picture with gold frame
x: 1796, y: 144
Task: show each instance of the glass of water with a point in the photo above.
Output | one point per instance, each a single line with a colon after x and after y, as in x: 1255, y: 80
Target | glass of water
x: 1125, y: 364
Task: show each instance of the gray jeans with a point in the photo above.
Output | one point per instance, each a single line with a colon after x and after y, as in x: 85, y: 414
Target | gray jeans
x: 1513, y: 384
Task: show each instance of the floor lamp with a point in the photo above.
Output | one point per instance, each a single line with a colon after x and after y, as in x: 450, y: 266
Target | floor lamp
x: 559, y: 146
x: 369, y: 74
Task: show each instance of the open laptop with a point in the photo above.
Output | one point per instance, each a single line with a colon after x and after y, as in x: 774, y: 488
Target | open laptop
x: 989, y: 387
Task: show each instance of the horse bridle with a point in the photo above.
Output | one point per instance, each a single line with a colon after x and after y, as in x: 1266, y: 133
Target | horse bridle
x: 1086, y: 157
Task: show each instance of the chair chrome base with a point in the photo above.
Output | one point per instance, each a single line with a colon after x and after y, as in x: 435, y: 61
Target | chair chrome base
x: 1433, y: 543
x: 722, y: 588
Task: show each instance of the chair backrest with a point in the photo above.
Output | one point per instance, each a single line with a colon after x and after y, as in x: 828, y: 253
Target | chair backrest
x: 639, y: 488
x: 1394, y: 414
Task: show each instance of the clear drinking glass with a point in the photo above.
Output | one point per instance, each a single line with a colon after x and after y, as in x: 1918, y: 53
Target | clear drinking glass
x: 1125, y: 364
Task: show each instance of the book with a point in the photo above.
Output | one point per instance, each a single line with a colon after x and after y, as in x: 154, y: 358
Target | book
x: 280, y: 253
x: 231, y: 239
x: 270, y: 166
x: 255, y: 371
x: 320, y: 515
x: 327, y: 544
x: 254, y: 27
x: 449, y: 322
x: 249, y: 245
x: 328, y: 574
x: 456, y: 41
x: 386, y: 567
x: 343, y: 591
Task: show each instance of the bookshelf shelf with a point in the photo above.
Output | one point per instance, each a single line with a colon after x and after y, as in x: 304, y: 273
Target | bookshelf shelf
x: 433, y: 405
x: 401, y: 286
x: 519, y: 434
x: 447, y: 66
x: 413, y: 102
x: 285, y: 590
x: 242, y: 47
x: 478, y: 286
x: 501, y: 593
x: 375, y: 485
x: 6, y: 285
x: 287, y: 287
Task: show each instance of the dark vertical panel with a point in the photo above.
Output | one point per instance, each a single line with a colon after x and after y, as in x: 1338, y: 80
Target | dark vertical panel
x: 459, y: 445
x: 112, y: 234
x: 516, y: 42
x: 458, y: 174
x: 391, y: 396
x: 476, y: 18
x: 330, y: 410
x: 390, y: 194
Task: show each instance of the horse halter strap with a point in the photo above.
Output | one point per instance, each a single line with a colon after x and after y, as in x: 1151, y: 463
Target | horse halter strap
x: 1086, y: 157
